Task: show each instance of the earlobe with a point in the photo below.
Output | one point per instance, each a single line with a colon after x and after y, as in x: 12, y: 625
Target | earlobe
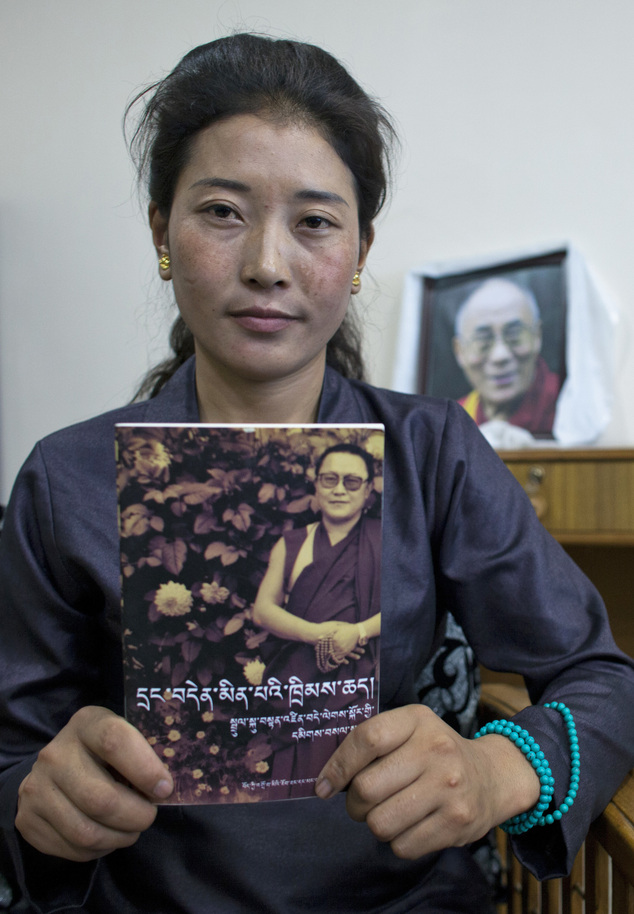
x: 165, y: 266
x: 364, y: 247
x: 158, y: 224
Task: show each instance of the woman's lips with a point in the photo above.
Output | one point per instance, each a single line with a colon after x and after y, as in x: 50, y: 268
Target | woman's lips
x: 263, y: 320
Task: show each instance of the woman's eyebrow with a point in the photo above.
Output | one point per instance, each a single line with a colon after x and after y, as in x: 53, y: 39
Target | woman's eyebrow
x: 324, y: 196
x: 225, y: 183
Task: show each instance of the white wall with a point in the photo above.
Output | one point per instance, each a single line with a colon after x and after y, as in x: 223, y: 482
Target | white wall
x: 518, y: 131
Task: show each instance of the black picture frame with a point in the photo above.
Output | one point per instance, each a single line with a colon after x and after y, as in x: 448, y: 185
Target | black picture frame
x: 443, y: 293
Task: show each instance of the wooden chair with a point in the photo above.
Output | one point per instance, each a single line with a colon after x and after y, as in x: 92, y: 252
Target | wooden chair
x: 602, y: 879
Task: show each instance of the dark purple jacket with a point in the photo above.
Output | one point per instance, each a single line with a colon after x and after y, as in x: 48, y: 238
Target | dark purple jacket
x: 459, y: 535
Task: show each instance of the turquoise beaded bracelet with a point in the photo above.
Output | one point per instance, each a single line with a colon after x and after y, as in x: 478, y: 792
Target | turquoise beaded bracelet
x: 517, y: 825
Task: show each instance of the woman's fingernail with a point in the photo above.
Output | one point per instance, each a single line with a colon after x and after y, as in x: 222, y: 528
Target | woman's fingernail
x: 163, y: 789
x: 323, y: 788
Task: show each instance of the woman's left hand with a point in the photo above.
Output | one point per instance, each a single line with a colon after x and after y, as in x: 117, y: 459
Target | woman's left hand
x: 422, y: 787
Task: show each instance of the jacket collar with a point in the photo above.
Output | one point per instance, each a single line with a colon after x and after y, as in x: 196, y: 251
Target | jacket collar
x: 178, y: 402
x: 341, y: 401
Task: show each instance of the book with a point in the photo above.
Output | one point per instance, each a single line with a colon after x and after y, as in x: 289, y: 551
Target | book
x: 250, y: 599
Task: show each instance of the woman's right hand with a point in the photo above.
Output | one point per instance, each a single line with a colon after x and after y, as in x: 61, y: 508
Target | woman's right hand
x: 92, y: 789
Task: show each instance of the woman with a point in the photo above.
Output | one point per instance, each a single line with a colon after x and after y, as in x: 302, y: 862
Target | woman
x: 321, y: 594
x: 265, y: 171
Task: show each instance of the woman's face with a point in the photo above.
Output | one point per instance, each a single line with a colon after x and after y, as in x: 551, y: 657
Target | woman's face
x: 263, y: 239
x: 337, y: 501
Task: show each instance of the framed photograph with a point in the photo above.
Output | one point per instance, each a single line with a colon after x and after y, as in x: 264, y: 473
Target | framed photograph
x: 493, y: 337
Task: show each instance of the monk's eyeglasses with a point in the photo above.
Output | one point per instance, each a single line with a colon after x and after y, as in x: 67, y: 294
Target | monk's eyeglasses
x: 351, y: 483
x: 516, y: 335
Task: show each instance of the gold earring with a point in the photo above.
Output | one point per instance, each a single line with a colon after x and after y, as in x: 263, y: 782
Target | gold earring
x: 356, y: 279
x: 164, y: 262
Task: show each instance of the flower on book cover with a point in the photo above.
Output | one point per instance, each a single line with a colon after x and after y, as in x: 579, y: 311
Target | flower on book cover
x: 173, y: 599
x: 254, y: 671
x: 213, y: 593
x: 151, y: 460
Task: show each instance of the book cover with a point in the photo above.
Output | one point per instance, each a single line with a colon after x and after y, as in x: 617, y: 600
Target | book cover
x: 250, y: 569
